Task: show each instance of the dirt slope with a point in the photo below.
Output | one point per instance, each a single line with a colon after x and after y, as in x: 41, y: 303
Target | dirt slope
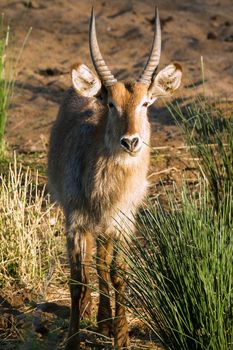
x: 59, y: 38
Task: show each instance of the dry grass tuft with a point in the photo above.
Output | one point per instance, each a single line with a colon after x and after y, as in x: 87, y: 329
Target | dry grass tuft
x: 32, y: 245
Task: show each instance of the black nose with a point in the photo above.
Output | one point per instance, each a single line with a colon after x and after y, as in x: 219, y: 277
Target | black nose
x: 130, y: 144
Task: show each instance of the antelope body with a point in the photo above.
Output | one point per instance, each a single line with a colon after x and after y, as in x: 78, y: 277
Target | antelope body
x: 98, y: 163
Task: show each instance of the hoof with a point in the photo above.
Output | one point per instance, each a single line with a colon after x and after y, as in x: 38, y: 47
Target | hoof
x: 106, y: 329
x: 72, y: 346
x: 122, y: 343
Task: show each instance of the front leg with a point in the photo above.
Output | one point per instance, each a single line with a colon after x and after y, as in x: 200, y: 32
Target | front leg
x: 121, y: 334
x: 78, y: 248
x: 104, y: 257
x: 85, y: 306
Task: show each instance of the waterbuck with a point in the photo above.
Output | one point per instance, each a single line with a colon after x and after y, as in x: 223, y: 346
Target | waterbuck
x: 97, y: 168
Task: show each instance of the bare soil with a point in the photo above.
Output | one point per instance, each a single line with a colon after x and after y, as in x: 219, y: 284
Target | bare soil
x: 59, y: 38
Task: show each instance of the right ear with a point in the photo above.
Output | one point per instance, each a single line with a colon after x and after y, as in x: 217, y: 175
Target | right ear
x: 85, y: 81
x: 166, y: 82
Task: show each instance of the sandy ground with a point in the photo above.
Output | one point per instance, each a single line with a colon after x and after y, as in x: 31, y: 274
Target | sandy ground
x: 59, y: 38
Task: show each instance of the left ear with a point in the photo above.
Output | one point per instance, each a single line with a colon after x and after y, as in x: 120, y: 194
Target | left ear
x: 85, y: 82
x: 166, y: 82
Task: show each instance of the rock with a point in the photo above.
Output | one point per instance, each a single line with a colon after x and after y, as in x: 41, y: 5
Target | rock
x: 229, y: 38
x: 211, y: 36
x: 33, y: 4
x: 50, y: 71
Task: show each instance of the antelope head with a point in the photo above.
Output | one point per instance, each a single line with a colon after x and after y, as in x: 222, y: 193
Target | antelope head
x: 127, y: 128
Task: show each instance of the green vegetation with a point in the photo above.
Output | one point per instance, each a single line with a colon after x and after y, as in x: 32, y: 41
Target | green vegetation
x: 6, y: 81
x: 8, y: 72
x: 210, y: 135
x: 181, y: 267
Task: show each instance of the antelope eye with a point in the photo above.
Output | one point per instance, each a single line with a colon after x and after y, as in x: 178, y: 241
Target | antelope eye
x: 111, y: 105
x: 145, y: 104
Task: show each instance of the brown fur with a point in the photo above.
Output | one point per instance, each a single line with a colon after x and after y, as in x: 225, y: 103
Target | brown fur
x: 100, y: 183
x: 113, y: 184
x: 128, y: 97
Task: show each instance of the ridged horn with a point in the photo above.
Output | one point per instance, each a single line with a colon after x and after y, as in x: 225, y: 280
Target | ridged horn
x: 154, y: 57
x: 101, y: 68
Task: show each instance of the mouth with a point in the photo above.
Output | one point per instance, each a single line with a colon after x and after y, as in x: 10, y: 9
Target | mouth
x: 132, y: 153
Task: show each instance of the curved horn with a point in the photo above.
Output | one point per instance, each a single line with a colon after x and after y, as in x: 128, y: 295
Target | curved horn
x: 100, y: 66
x: 154, y: 57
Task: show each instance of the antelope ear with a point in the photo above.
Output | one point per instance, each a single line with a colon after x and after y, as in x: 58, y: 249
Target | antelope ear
x: 85, y: 81
x: 166, y: 81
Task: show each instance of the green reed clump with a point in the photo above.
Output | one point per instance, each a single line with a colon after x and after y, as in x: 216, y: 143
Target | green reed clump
x: 181, y: 273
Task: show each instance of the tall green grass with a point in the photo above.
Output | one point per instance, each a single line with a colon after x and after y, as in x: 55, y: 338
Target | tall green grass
x: 8, y: 74
x: 209, y: 133
x: 6, y: 81
x: 181, y: 262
